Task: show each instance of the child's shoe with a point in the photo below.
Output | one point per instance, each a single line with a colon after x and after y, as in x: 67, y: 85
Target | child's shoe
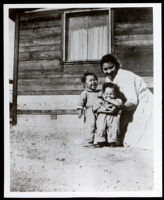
x: 112, y: 144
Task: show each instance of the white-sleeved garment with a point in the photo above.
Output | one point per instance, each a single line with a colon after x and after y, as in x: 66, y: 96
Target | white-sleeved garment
x: 139, y: 131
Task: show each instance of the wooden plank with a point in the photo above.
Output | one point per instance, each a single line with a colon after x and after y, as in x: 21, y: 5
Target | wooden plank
x: 57, y: 80
x: 134, y: 40
x: 30, y: 74
x: 48, y: 112
x: 42, y: 55
x: 40, y: 24
x: 40, y: 41
x: 133, y: 15
x: 41, y: 85
x: 55, y: 92
x: 39, y: 16
x: 53, y: 47
x: 127, y: 49
x: 15, y: 73
x: 27, y: 74
x: 133, y: 28
x: 50, y: 92
x: 49, y: 81
x: 28, y: 86
x: 82, y: 68
x: 39, y: 65
x: 137, y: 63
x: 40, y: 32
x: 76, y: 81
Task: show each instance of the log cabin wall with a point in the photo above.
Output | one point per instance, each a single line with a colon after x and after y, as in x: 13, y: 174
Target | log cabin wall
x: 39, y: 52
x: 43, y: 77
x: 133, y: 39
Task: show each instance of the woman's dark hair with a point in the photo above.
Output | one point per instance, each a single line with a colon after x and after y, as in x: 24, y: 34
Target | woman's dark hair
x: 109, y: 58
x: 83, y: 79
x: 110, y: 85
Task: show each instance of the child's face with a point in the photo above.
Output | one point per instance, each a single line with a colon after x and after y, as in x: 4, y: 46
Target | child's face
x: 109, y: 93
x: 91, y: 82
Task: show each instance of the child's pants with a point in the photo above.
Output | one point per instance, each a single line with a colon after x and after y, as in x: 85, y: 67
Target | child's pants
x: 108, y: 128
x: 89, y: 126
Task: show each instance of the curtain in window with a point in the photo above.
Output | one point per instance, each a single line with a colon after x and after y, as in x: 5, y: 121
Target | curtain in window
x: 97, y: 42
x: 77, y: 43
x: 87, y: 37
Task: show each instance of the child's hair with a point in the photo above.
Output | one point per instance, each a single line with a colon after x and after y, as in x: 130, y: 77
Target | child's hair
x: 83, y: 79
x: 110, y: 85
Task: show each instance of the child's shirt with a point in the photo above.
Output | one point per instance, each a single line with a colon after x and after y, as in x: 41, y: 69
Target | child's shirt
x: 88, y: 98
x: 101, y: 103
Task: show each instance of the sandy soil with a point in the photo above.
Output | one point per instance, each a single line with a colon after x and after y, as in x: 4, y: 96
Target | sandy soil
x: 47, y: 156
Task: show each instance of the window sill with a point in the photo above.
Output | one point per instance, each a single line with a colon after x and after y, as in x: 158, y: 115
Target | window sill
x: 81, y: 62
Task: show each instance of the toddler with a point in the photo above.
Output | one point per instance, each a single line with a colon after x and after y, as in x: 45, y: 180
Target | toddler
x: 108, y: 123
x: 85, y: 105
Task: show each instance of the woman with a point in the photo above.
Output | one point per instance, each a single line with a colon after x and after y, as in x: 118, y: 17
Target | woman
x: 137, y: 122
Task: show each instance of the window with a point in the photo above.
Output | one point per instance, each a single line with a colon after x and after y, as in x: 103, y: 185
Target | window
x: 87, y: 35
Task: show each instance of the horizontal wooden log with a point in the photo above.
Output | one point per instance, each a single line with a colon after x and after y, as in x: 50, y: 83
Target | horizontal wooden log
x: 56, y: 81
x: 40, y: 41
x: 82, y: 68
x: 137, y: 63
x: 40, y: 32
x: 138, y: 66
x: 42, y: 55
x: 39, y: 65
x: 40, y: 24
x: 44, y: 74
x: 40, y: 16
x: 134, y: 40
x: 26, y: 86
x: 133, y: 15
x: 55, y: 92
x: 66, y: 81
x: 50, y: 92
x: 47, y: 112
x: 53, y: 47
x: 51, y: 84
x: 127, y: 49
x: 133, y: 28
x: 51, y: 73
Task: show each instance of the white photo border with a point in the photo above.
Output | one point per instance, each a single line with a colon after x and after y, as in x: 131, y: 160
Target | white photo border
x: 157, y: 47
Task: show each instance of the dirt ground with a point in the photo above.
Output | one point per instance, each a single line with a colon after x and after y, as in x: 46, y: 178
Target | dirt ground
x: 47, y: 156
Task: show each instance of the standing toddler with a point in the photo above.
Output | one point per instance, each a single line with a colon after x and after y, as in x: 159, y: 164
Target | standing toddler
x: 87, y: 98
x: 108, y: 125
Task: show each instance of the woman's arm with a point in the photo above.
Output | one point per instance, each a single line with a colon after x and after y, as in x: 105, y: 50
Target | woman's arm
x: 115, y: 102
x: 129, y: 105
x: 109, y: 110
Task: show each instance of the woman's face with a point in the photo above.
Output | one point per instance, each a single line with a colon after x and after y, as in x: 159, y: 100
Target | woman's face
x: 109, y: 69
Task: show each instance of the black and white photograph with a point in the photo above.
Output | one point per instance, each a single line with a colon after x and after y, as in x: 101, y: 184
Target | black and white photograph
x: 83, y: 100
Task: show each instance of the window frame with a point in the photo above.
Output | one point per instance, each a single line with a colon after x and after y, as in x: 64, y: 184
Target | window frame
x: 109, y: 39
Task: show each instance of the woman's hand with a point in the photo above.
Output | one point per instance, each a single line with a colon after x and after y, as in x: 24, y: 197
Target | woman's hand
x: 111, y: 109
x: 108, y: 110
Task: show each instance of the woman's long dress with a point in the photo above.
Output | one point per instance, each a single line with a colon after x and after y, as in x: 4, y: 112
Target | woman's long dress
x: 139, y: 131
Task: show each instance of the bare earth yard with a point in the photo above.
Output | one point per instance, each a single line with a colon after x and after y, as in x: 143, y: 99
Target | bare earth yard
x: 47, y: 156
